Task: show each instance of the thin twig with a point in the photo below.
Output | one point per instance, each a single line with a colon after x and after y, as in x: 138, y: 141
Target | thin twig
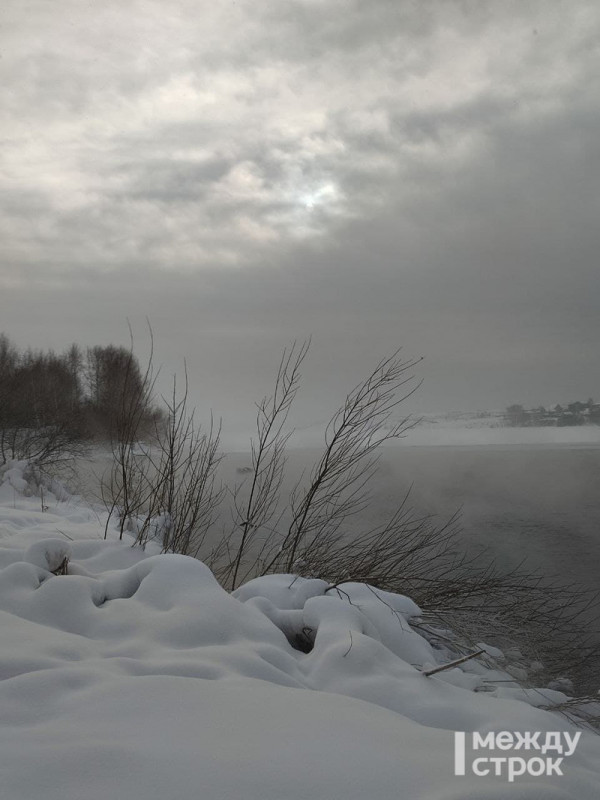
x: 451, y: 664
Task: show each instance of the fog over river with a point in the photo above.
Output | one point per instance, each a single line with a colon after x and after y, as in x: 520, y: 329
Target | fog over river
x: 536, y: 503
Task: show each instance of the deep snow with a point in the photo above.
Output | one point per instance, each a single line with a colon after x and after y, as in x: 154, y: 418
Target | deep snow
x: 137, y: 676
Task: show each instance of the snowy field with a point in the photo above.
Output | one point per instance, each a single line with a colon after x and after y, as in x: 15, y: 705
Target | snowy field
x: 489, y: 431
x: 136, y: 676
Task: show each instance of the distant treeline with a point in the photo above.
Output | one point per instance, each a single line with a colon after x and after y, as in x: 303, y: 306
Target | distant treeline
x: 577, y: 413
x: 50, y: 402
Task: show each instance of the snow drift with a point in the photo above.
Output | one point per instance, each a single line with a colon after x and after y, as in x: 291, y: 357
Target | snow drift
x: 137, y: 676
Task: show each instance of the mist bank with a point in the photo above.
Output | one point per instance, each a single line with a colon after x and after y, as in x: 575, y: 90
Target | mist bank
x: 449, y: 433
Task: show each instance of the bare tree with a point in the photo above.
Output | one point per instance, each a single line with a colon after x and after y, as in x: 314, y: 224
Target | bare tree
x: 40, y: 412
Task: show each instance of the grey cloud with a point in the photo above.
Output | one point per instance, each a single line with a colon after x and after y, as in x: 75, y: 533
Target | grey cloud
x: 372, y: 173
x: 171, y: 180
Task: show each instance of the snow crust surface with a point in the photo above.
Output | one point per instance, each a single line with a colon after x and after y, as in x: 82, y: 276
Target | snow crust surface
x: 137, y: 676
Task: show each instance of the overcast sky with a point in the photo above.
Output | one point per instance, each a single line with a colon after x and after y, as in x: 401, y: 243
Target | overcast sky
x: 373, y: 173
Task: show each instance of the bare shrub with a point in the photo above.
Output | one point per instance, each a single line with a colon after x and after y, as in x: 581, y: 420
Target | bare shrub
x: 164, y: 488
x: 410, y: 553
x: 339, y: 482
x: 130, y: 486
x: 185, y: 498
x: 268, y: 465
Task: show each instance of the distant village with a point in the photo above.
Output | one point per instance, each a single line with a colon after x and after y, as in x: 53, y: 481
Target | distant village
x: 576, y: 413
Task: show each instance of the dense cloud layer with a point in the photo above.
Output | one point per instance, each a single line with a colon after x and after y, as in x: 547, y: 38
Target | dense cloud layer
x: 372, y: 173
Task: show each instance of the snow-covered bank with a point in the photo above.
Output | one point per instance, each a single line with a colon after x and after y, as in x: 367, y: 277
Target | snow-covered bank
x: 458, y: 430
x: 488, y: 433
x: 136, y: 675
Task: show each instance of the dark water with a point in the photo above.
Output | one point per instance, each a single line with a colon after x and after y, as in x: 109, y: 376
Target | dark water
x: 537, y: 504
x: 534, y: 503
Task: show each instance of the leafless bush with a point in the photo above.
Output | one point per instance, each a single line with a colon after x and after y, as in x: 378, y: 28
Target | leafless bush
x: 185, y: 497
x: 165, y: 489
x: 268, y: 465
x: 551, y: 624
x: 410, y: 553
x: 162, y: 489
x: 338, y: 486
x: 130, y: 486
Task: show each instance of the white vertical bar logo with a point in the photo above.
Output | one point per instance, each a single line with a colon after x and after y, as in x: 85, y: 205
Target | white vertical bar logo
x: 459, y: 752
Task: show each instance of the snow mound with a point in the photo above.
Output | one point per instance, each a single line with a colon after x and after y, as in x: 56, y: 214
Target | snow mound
x: 136, y: 675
